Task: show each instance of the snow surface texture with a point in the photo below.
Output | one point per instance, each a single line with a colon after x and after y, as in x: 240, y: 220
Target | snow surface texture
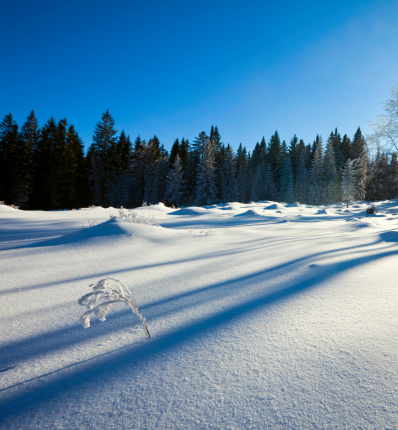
x: 284, y: 318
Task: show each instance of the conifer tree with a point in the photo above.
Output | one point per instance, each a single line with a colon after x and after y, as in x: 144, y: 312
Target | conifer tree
x: 104, y: 142
x: 22, y: 177
x: 43, y: 155
x: 256, y: 185
x: 361, y: 165
x: 378, y: 178
x: 215, y: 137
x: 206, y: 190
x: 9, y: 145
x: 175, y: 183
x: 227, y: 169
x: 175, y: 149
x: 286, y: 192
x: 270, y: 190
x: 301, y: 180
x: 184, y: 152
x: 200, y: 143
x: 275, y: 155
x: 348, y: 188
x: 315, y: 186
x: 329, y: 175
x: 358, y: 145
x: 294, y: 152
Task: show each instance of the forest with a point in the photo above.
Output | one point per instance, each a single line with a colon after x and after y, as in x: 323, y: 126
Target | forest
x: 48, y: 169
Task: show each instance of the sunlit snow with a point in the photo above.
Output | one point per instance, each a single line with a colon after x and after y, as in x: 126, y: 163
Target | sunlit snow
x: 262, y: 315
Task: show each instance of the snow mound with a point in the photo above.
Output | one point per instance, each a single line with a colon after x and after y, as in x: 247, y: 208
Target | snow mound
x: 292, y: 205
x: 323, y: 212
x: 274, y: 206
x: 249, y: 213
x: 110, y: 228
x: 190, y: 211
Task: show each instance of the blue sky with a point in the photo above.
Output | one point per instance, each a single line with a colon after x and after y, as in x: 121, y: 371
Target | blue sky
x: 174, y: 68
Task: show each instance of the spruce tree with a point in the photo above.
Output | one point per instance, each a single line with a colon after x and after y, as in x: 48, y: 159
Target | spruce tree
x: 286, y: 192
x: 206, y: 190
x: 9, y: 145
x: 348, y: 189
x: 228, y: 184
x: 315, y: 186
x: 22, y: 178
x: 301, y: 179
x: 175, y: 149
x: 104, y: 142
x: 329, y: 175
x: 43, y: 156
x: 358, y: 146
x: 270, y: 190
x: 175, y: 184
x: 275, y: 155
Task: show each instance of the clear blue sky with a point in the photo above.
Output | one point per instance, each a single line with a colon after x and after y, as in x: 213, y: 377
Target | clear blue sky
x: 174, y: 68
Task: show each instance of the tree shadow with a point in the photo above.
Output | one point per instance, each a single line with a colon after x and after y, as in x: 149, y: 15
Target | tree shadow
x: 102, y: 369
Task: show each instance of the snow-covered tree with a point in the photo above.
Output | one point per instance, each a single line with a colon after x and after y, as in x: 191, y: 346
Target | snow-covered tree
x: 315, y: 185
x: 348, y: 188
x: 361, y: 165
x: 175, y: 183
x: 329, y: 174
x: 385, y: 127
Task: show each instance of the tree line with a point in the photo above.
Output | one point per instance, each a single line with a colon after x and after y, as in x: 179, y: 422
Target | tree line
x: 47, y: 169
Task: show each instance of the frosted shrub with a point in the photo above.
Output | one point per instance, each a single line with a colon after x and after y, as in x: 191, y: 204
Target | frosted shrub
x: 105, y: 293
x: 130, y: 216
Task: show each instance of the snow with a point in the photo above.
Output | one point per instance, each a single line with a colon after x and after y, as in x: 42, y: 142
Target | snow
x: 285, y: 317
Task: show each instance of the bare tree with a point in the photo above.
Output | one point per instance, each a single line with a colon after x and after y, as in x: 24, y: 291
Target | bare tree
x: 385, y: 126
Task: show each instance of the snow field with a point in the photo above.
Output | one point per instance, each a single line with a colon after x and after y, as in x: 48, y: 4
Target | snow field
x: 284, y: 318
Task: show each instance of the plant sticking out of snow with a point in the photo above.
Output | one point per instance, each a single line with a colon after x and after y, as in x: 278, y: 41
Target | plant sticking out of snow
x: 130, y: 216
x: 107, y: 292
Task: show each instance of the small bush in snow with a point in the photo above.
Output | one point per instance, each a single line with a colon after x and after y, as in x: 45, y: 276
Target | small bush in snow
x: 107, y: 292
x: 130, y: 216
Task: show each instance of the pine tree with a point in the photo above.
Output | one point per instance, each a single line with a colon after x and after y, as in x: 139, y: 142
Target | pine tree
x: 348, y: 188
x: 329, y: 175
x: 361, y: 165
x: 22, y: 177
x: 286, y: 192
x: 104, y: 142
x: 9, y: 145
x: 358, y: 145
x: 270, y: 191
x: 315, y: 186
x: 335, y: 140
x: 227, y: 170
x: 175, y: 183
x: 256, y: 185
x: 43, y: 167
x: 215, y: 137
x: 301, y: 180
x: 200, y: 143
x: 175, y: 149
x: 275, y: 155
x: 294, y: 152
x: 206, y: 190
x: 378, y: 177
